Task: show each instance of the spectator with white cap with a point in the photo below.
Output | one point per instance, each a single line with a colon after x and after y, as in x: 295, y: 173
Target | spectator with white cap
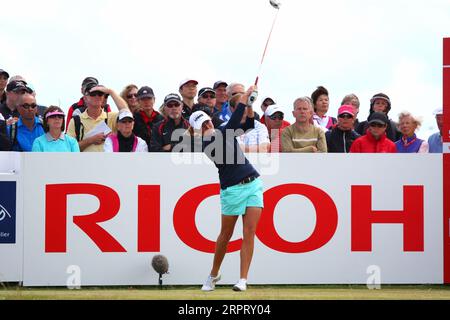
x: 4, y: 76
x: 275, y: 123
x: 435, y: 140
x: 125, y: 140
x: 341, y: 136
x: 188, y: 92
x: 54, y: 139
x: 266, y: 102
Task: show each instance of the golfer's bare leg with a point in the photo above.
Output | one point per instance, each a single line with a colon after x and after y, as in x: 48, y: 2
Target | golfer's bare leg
x: 226, y: 232
x: 250, y: 221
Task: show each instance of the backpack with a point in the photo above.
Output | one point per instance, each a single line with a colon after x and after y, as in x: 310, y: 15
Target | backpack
x: 13, y: 135
x: 79, y: 128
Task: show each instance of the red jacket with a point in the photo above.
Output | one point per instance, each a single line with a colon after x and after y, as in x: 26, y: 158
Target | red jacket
x: 368, y: 144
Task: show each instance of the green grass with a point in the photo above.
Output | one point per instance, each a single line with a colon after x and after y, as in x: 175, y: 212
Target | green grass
x: 342, y: 292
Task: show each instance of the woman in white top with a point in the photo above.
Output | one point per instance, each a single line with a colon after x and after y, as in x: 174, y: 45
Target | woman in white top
x: 321, y: 104
x: 125, y: 140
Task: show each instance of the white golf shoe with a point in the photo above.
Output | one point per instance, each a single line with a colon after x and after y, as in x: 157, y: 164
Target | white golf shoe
x: 241, y: 285
x: 210, y: 283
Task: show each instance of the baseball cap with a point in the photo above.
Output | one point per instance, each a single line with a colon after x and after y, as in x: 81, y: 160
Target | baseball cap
x: 378, y: 117
x: 145, y: 92
x: 14, y: 86
x: 123, y: 114
x: 381, y: 96
x: 172, y: 97
x: 346, y: 109
x: 89, y: 80
x: 266, y: 99
x: 438, y: 111
x: 89, y: 86
x: 204, y: 90
x: 197, y: 119
x: 219, y: 83
x: 271, y: 110
x: 187, y: 80
x: 4, y: 72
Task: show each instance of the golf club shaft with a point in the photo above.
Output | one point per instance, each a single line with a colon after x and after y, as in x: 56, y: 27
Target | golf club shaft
x: 265, y: 49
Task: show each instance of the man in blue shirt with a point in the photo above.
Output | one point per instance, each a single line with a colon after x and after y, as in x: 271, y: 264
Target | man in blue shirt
x: 435, y: 140
x: 23, y: 133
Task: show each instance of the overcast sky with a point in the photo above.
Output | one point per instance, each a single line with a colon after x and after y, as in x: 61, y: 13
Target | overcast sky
x: 348, y: 46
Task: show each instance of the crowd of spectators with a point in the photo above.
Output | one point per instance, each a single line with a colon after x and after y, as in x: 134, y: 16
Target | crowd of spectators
x: 135, y: 124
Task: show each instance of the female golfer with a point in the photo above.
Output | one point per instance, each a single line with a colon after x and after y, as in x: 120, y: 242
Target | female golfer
x: 241, y: 190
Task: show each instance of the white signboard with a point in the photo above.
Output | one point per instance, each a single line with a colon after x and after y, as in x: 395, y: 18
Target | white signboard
x: 98, y: 219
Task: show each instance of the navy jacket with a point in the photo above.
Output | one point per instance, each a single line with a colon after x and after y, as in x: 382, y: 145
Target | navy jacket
x: 226, y: 153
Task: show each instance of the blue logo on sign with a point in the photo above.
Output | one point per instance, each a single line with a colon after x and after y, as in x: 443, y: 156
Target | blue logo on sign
x: 7, y: 212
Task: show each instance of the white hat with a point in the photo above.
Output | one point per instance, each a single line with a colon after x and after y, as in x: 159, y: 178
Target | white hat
x: 183, y: 82
x: 125, y: 114
x: 272, y: 109
x: 438, y: 111
x: 197, y: 119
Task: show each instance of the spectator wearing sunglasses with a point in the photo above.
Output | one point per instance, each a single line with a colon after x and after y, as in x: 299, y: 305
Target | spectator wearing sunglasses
x: 125, y: 140
x: 95, y: 118
x: 79, y: 107
x: 275, y: 123
x: 165, y: 133
x: 207, y: 96
x: 352, y: 100
x: 267, y: 102
x: 375, y: 140
x: 341, y: 136
x: 28, y: 127
x: 147, y: 117
x: 54, y: 139
x: 129, y: 94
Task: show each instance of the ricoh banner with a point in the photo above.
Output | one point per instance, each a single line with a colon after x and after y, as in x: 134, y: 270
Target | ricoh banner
x: 98, y: 219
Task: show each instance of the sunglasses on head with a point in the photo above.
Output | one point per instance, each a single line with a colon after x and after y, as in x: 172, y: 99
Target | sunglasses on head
x: 346, y: 116
x: 377, y: 125
x: 277, y: 117
x: 132, y: 95
x: 172, y: 105
x: 27, y: 106
x: 96, y: 94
